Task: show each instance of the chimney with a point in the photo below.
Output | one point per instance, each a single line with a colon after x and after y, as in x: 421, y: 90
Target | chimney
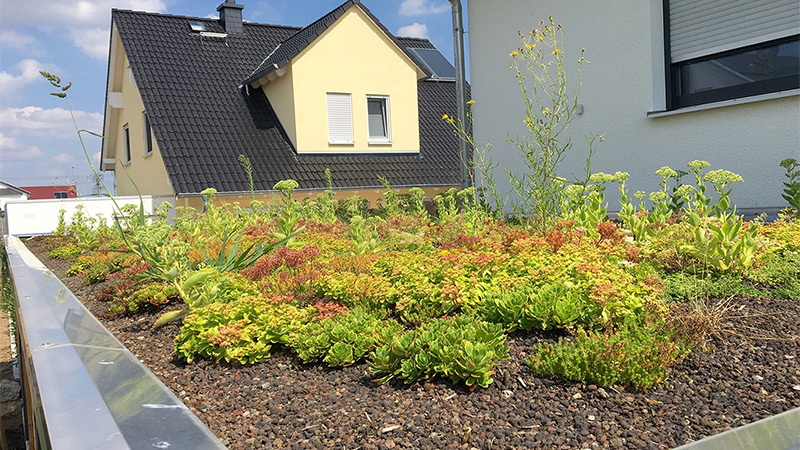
x: 230, y: 15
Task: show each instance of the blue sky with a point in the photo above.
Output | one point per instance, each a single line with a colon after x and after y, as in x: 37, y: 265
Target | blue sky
x: 38, y: 145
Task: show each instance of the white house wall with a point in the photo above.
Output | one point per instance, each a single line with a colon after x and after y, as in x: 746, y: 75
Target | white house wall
x: 622, y: 83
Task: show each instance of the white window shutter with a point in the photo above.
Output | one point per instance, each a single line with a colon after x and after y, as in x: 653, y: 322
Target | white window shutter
x: 340, y: 119
x: 705, y: 27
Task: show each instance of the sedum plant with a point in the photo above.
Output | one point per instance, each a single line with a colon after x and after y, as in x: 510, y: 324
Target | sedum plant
x: 791, y: 192
x: 242, y: 331
x: 634, y: 354
x: 462, y: 349
x: 343, y: 339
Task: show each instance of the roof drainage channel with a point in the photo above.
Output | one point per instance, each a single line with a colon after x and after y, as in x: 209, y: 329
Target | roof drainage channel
x: 91, y: 391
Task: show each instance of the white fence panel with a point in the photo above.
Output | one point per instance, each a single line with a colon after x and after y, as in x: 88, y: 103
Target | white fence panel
x: 36, y: 217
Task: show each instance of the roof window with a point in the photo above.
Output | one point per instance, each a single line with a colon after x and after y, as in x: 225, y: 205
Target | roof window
x: 196, y: 26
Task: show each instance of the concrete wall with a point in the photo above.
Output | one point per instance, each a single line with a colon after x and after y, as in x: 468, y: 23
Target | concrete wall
x: 37, y: 217
x: 352, y: 56
x: 622, y: 83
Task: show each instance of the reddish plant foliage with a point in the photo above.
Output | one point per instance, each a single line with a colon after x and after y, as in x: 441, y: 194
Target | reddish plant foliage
x: 462, y: 240
x: 261, y: 230
x: 555, y: 239
x: 610, y: 232
x: 282, y: 257
x: 337, y: 227
x: 124, y: 283
x: 633, y: 254
x: 327, y: 309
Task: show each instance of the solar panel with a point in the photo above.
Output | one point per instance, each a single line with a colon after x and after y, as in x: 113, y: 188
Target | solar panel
x: 197, y: 26
x: 434, y: 61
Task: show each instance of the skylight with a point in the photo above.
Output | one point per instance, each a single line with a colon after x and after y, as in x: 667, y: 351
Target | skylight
x: 197, y: 26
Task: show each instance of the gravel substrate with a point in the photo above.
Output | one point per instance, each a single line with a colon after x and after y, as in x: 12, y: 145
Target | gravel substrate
x: 748, y: 373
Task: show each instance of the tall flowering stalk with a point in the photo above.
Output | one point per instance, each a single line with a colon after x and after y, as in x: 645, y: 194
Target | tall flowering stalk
x: 549, y: 108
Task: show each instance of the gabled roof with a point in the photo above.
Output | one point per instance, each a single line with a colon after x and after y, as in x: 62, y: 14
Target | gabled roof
x: 16, y: 189
x: 290, y: 48
x: 203, y: 118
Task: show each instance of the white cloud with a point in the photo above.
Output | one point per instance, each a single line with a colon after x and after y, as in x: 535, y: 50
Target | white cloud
x: 416, y: 29
x: 74, y: 13
x: 96, y: 160
x: 422, y: 7
x: 52, y: 123
x: 12, y: 39
x: 85, y: 22
x: 63, y: 158
x: 29, y: 72
x: 93, y: 42
x: 12, y: 150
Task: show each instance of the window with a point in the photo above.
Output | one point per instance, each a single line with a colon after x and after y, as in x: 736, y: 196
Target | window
x: 127, y: 143
x: 60, y: 195
x: 148, y: 135
x: 378, y: 120
x: 719, y: 51
x: 340, y: 119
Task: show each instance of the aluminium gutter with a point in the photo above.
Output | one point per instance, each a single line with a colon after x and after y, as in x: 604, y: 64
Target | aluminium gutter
x: 461, y: 92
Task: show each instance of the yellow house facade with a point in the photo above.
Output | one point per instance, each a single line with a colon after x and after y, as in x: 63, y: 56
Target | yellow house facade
x: 185, y: 103
x: 366, y: 71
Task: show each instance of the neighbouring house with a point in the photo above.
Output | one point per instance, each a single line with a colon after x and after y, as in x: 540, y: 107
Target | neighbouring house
x: 9, y: 192
x: 51, y: 192
x: 669, y: 82
x: 186, y: 96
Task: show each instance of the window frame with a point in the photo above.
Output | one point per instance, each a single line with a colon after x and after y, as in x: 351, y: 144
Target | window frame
x: 387, y: 121
x: 126, y: 137
x: 148, y: 135
x: 675, y: 101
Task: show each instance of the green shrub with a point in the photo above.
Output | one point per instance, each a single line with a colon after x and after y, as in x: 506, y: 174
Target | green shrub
x: 149, y: 294
x: 789, y: 290
x: 242, y: 331
x: 634, y: 354
x: 530, y: 307
x: 463, y: 349
x: 344, y: 339
x: 68, y: 252
x: 682, y: 285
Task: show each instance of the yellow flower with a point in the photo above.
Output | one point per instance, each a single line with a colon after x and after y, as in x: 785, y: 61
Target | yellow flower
x: 555, y: 51
x: 513, y: 54
x: 471, y: 102
x: 546, y: 110
x: 444, y: 117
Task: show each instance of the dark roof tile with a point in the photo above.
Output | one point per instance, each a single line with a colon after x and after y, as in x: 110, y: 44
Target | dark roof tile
x: 202, y: 118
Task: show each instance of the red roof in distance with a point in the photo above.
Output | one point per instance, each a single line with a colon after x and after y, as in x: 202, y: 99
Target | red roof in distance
x: 49, y: 192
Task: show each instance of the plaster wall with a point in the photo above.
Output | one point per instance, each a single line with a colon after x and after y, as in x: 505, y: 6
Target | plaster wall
x: 622, y: 83
x: 352, y: 56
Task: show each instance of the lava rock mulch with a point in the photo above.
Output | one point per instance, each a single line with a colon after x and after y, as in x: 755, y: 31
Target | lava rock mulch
x: 748, y: 373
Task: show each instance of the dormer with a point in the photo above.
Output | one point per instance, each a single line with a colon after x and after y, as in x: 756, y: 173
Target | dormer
x: 343, y: 85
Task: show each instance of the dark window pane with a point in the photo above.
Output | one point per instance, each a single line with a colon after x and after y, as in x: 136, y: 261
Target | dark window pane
x: 127, y: 145
x: 148, y: 136
x: 750, y: 71
x: 376, y: 118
